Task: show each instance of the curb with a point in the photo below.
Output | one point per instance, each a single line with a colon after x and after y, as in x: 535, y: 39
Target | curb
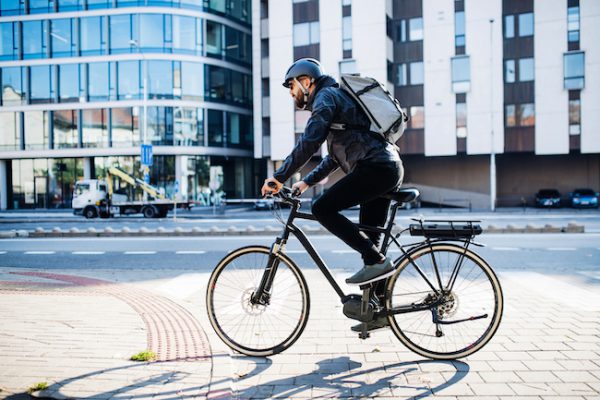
x: 250, y: 230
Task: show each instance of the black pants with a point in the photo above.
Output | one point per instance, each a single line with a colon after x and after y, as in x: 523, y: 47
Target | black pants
x: 364, y: 186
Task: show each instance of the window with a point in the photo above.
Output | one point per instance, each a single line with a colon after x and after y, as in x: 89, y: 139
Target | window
x: 94, y: 128
x: 34, y: 39
x: 237, y: 45
x: 93, y: 37
x: 402, y: 31
x: 12, y: 85
x: 526, y: 24
x: 574, y: 65
x: 70, y: 5
x: 68, y: 83
x: 160, y: 79
x: 401, y: 75
x: 461, y: 120
x: 36, y: 130
x: 573, y: 24
x: 417, y: 117
x: 188, y: 128
x: 306, y: 34
x: 98, y: 74
x: 11, y: 130
x: 526, y: 69
x: 416, y: 73
x: 160, y: 126
x: 574, y: 117
x: 40, y: 84
x: 65, y: 129
x: 186, y: 36
x: 461, y: 75
x: 215, y: 127
x: 509, y: 26
x: 459, y: 28
x: 415, y: 29
x: 94, y: 4
x: 239, y: 130
x: 128, y: 78
x: 347, y: 33
x: 519, y: 115
x: 152, y: 31
x: 526, y: 114
x: 62, y: 36
x: 125, y: 131
x: 214, y: 38
x: 12, y: 7
x: 509, y: 71
x: 9, y: 45
x: 192, y: 77
x: 348, y: 67
x: 40, y: 6
x: 120, y: 33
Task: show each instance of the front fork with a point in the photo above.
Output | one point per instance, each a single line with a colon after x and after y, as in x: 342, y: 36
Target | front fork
x: 262, y: 295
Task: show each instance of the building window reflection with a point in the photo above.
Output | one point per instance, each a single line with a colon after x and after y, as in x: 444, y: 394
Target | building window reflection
x: 161, y: 79
x: 63, y: 37
x: 188, y: 127
x: 36, y: 130
x: 152, y: 28
x: 239, y: 130
x: 70, y: 5
x: 34, y: 39
x: 192, y: 78
x: 128, y: 78
x: 187, y: 36
x: 12, y: 85
x: 215, y: 127
x: 65, y: 129
x: 10, y: 139
x: 40, y: 6
x: 98, y: 76
x: 160, y: 126
x: 214, y: 39
x: 121, y: 33
x: 9, y: 45
x: 12, y: 7
x: 228, y: 86
x: 94, y: 128
x: 40, y: 84
x: 68, y: 83
x: 93, y: 35
x: 125, y: 127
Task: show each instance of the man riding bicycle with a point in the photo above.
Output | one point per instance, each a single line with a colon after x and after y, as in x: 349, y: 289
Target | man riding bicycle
x: 372, y: 165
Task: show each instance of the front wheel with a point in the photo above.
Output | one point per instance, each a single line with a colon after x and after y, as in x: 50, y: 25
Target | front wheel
x: 245, y: 326
x: 453, y: 322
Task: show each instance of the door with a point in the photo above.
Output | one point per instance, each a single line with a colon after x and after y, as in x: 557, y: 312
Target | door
x: 40, y: 187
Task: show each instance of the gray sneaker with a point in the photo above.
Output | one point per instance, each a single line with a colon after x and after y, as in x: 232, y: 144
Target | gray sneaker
x: 372, y: 273
x: 377, y: 323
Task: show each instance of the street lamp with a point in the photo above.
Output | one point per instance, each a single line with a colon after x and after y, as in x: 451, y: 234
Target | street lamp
x: 492, y: 148
x: 145, y: 106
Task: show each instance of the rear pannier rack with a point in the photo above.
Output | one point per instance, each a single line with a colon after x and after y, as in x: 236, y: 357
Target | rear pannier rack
x: 445, y: 229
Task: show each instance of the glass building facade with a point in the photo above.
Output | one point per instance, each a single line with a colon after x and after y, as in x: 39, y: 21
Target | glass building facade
x: 86, y: 82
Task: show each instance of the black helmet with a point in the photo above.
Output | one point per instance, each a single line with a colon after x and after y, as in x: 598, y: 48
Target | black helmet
x: 303, y: 67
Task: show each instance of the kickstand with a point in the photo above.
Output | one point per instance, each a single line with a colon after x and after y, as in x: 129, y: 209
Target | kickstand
x: 364, y: 309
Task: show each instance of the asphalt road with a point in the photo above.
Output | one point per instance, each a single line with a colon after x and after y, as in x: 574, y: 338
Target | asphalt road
x: 575, y: 255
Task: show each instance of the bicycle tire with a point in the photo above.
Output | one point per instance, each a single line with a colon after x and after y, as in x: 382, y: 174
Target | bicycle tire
x: 252, y: 260
x: 456, y: 307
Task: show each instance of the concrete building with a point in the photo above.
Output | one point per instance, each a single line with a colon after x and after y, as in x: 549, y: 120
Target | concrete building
x: 86, y: 82
x: 504, y: 95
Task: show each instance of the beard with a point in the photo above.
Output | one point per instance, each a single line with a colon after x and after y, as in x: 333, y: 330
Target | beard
x: 299, y: 100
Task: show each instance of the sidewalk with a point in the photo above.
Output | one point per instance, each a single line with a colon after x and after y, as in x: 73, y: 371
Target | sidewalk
x: 76, y: 329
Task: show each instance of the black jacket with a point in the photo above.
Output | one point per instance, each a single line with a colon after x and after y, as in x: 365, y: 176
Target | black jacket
x: 331, y: 105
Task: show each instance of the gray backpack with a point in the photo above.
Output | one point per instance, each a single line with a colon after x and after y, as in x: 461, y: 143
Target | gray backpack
x: 386, y: 115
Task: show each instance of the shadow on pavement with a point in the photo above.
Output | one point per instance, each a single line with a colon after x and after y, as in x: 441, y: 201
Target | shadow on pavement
x: 336, y: 378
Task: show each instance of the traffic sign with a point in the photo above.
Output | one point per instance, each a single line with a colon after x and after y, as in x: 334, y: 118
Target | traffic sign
x: 146, y: 154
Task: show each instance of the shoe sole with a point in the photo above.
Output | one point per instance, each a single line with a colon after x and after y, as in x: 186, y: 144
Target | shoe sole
x: 371, y: 330
x: 377, y: 278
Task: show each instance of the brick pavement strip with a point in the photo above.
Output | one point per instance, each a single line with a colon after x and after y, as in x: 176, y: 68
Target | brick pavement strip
x: 56, y: 333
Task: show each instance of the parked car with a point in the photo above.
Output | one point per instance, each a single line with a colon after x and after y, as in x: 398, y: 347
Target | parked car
x: 581, y: 198
x: 263, y: 204
x: 547, y: 198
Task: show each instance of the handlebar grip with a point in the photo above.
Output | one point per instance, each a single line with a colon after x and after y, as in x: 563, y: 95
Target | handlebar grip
x: 272, y: 185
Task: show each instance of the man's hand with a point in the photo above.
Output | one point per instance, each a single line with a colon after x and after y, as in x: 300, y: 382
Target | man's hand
x: 299, y: 187
x: 276, y: 186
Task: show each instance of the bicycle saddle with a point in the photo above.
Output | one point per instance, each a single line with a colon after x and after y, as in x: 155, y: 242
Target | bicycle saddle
x: 403, y: 195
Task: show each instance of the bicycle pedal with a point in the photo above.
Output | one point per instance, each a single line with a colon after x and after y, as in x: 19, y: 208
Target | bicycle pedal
x: 364, y: 335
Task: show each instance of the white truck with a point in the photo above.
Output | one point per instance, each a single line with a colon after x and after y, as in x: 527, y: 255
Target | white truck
x: 94, y: 198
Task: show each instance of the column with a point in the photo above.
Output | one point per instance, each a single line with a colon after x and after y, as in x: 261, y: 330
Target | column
x: 3, y: 185
x: 87, y: 168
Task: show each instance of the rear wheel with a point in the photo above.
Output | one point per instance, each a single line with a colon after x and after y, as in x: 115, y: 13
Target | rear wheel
x: 150, y: 212
x: 468, y: 312
x: 257, y: 329
x: 90, y: 212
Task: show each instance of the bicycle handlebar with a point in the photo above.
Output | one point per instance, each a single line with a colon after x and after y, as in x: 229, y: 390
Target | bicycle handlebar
x: 285, y: 193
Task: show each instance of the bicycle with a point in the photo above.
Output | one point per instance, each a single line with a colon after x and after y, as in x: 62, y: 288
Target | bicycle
x: 443, y: 302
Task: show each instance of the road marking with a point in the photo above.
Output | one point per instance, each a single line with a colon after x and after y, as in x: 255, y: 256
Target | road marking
x: 343, y: 251
x: 39, y: 252
x: 561, y: 248
x: 190, y: 252
x: 139, y: 252
x: 295, y: 251
x: 87, y: 252
x: 2, y: 252
x: 506, y: 248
